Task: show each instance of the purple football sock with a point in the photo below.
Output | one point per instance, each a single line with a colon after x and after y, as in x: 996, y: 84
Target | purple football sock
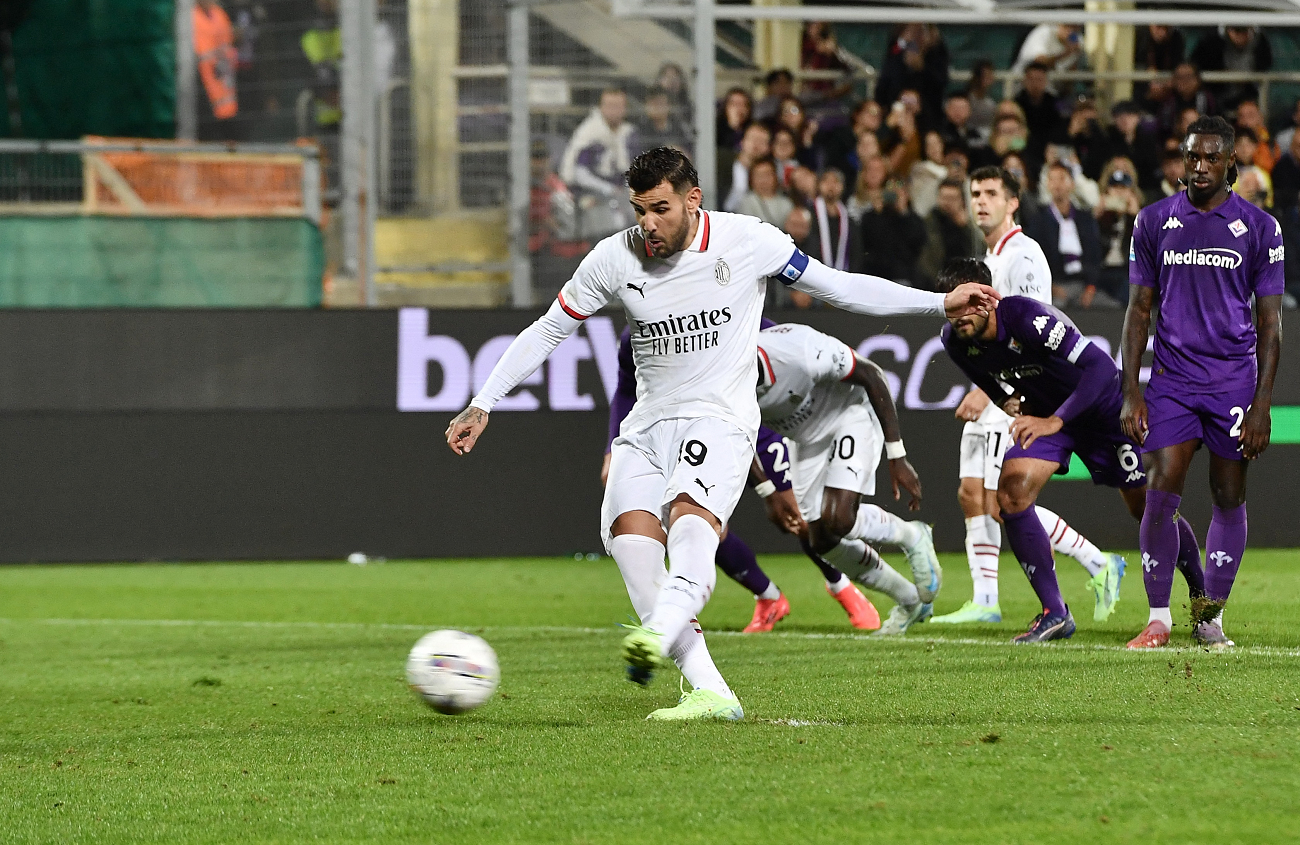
x: 1224, y: 545
x: 1033, y: 548
x: 737, y: 561
x: 1189, y: 560
x: 1158, y: 539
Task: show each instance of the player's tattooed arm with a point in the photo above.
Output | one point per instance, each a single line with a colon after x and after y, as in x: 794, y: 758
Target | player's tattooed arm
x: 464, y: 430
x: 1257, y: 429
x: 1133, y: 344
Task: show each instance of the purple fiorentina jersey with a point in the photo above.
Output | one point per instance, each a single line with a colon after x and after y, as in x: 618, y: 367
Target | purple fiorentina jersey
x: 1204, y: 267
x: 1041, y: 356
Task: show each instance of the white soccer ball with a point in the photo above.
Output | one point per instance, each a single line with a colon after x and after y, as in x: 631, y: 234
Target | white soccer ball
x: 453, y: 671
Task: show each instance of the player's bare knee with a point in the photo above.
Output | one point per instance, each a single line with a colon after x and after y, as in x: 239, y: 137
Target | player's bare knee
x: 970, y: 495
x: 820, y: 539
x: 1015, y: 493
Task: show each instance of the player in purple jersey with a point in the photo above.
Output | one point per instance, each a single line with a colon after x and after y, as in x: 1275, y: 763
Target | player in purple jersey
x: 1063, y: 394
x: 1200, y: 257
x: 770, y: 478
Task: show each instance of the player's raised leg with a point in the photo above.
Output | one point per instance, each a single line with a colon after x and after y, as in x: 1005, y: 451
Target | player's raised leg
x: 1105, y: 571
x: 914, y: 538
x: 1022, y: 479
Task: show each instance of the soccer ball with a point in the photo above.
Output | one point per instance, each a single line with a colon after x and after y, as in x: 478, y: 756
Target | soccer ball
x: 453, y: 671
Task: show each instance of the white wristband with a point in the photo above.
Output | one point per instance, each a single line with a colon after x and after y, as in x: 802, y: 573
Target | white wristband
x: 765, y: 489
x: 895, y: 450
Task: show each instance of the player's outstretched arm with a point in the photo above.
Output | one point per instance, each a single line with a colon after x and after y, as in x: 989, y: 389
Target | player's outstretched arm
x: 782, y: 508
x: 521, y: 358
x: 1133, y: 344
x: 901, y: 473
x: 1257, y: 429
x: 874, y: 295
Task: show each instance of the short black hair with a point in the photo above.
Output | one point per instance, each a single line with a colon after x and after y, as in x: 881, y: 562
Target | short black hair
x: 779, y: 73
x: 662, y: 164
x: 1060, y: 165
x: 952, y: 183
x: 1037, y: 66
x: 1010, y: 184
x: 959, y: 271
x: 655, y: 91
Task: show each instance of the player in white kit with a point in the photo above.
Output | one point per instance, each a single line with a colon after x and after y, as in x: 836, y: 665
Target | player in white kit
x: 836, y: 410
x: 692, y: 285
x: 1019, y: 268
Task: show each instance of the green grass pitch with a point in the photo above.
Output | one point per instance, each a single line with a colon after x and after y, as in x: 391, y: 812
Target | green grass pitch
x: 266, y: 702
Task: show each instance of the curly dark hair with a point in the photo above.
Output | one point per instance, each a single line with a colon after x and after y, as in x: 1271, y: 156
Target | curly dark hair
x: 661, y: 164
x: 959, y: 271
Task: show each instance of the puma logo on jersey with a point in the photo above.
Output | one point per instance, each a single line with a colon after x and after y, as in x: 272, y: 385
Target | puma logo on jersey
x: 1172, y: 223
x: 852, y: 470
x: 705, y: 487
x: 640, y: 290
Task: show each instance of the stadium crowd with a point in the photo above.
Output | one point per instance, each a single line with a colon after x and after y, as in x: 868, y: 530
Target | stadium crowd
x: 880, y: 185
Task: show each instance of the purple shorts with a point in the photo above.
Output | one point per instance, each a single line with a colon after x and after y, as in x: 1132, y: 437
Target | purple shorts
x: 1111, y: 458
x: 774, y: 455
x: 1175, y: 416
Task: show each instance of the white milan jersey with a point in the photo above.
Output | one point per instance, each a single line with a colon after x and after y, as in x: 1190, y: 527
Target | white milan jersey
x: 694, y: 317
x: 801, y: 388
x: 1019, y: 268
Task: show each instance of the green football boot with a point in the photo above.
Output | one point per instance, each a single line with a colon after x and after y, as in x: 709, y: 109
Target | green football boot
x: 1105, y: 587
x: 968, y: 613
x: 698, y: 705
x: 644, y: 652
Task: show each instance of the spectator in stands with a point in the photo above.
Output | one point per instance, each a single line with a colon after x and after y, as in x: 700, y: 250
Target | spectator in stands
x: 892, y: 235
x: 980, y: 94
x: 785, y: 152
x: 1054, y: 46
x: 916, y: 60
x: 1286, y: 177
x: 1254, y: 186
x: 903, y: 148
x: 755, y: 144
x: 1010, y: 135
x: 957, y: 160
x: 956, y: 125
x: 821, y: 52
x: 672, y: 80
x: 1127, y: 137
x: 927, y: 174
x: 1249, y: 117
x: 1085, y: 192
x: 948, y: 233
x: 1085, y: 135
x: 1041, y: 109
x: 1187, y: 94
x: 553, y: 219
x: 803, y: 187
x: 1240, y: 48
x: 1015, y: 165
x: 1069, y: 238
x: 661, y: 127
x: 1119, y: 164
x: 792, y: 116
x: 214, y: 44
x: 1119, y: 206
x: 835, y: 238
x: 733, y: 118
x: 777, y: 85
x: 764, y: 199
x: 1284, y: 137
x: 594, y: 162
x: 1171, y: 175
x: 869, y: 190
x: 1245, y: 147
x: 1157, y: 48
x: 322, y: 45
x: 868, y: 147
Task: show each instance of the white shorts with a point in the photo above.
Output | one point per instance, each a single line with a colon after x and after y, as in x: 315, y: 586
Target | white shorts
x: 706, y: 458
x: 846, y: 459
x: 983, y: 445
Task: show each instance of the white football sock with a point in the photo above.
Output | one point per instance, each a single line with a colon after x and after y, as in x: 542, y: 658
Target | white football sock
x: 839, y: 586
x: 885, y: 579
x: 641, y: 562
x: 983, y: 545
x: 1068, y: 541
x: 771, y: 593
x: 696, y: 664
x: 847, y: 557
x: 877, y: 525
x: 692, y: 543
x: 1161, y: 614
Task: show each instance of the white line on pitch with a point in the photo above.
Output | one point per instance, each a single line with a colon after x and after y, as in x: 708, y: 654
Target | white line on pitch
x: 915, y: 640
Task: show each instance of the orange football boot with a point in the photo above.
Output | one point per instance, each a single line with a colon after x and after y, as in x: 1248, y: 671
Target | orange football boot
x: 1154, y: 635
x: 768, y: 612
x: 862, y: 613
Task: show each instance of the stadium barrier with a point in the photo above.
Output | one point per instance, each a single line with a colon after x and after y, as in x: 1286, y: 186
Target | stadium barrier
x: 215, y: 434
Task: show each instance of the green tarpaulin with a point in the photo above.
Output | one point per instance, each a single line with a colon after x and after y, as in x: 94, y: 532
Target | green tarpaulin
x: 53, y: 262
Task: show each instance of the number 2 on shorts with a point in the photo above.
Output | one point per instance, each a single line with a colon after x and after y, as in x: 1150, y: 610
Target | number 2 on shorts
x: 1238, y: 416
